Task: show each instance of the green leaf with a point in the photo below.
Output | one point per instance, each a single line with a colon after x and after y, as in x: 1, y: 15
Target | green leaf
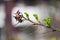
x: 47, y: 21
x: 27, y: 15
x: 36, y: 17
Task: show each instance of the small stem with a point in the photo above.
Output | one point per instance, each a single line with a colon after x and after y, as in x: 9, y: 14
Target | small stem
x: 31, y: 21
x: 28, y: 20
x: 38, y: 23
x: 34, y: 22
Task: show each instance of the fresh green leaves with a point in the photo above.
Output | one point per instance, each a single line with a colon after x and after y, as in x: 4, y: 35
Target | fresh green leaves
x: 27, y: 15
x: 36, y: 17
x: 47, y: 21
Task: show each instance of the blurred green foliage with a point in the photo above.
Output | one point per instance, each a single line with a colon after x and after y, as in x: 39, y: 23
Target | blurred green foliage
x: 53, y: 38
